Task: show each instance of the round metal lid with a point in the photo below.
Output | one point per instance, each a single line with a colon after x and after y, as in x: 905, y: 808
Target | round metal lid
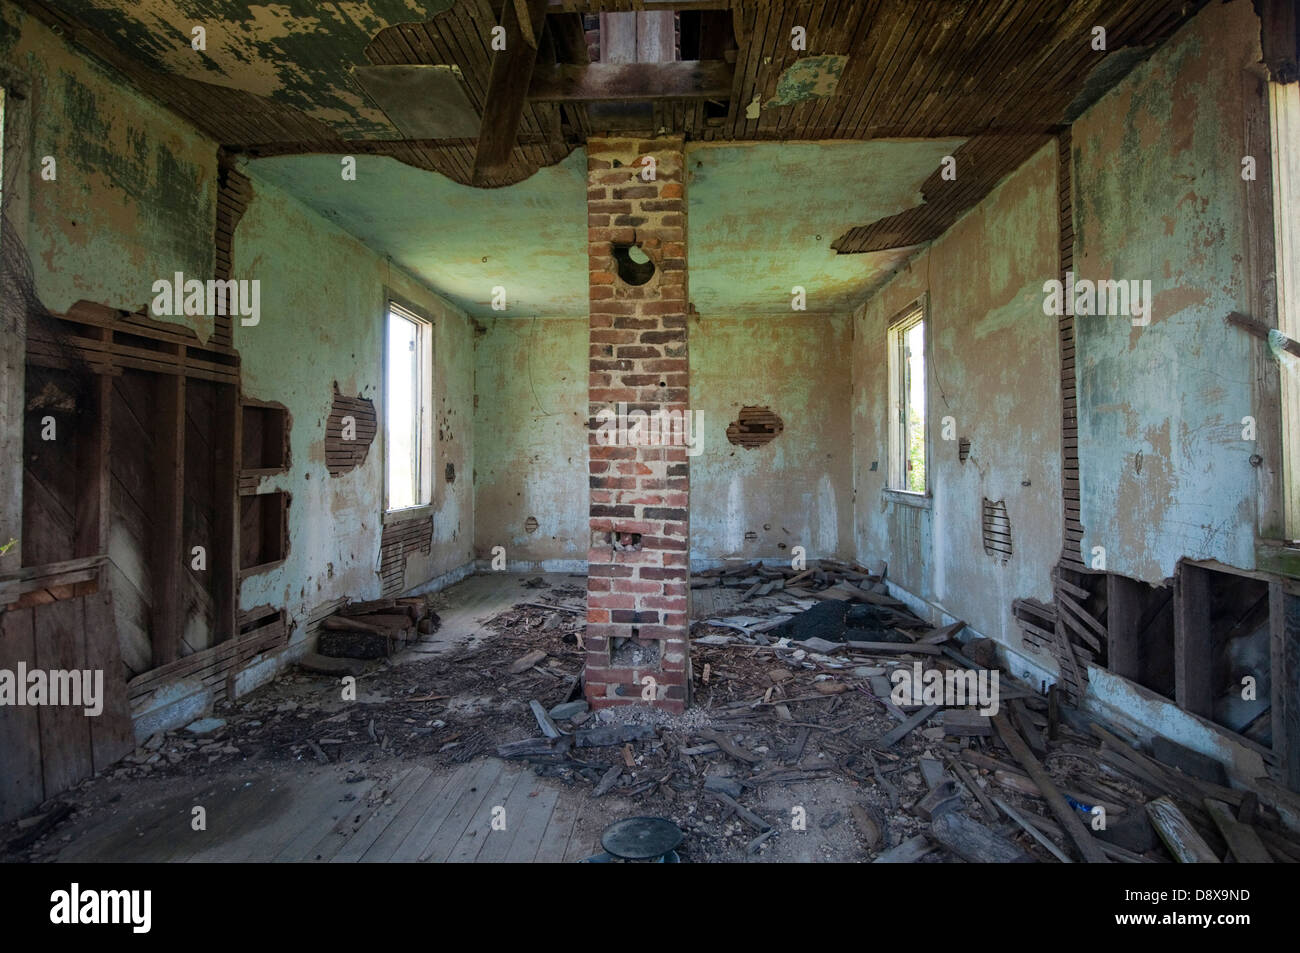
x: 641, y: 838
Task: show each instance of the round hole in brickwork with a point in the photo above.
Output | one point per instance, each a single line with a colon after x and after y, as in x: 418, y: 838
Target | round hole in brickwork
x: 631, y: 270
x: 530, y: 524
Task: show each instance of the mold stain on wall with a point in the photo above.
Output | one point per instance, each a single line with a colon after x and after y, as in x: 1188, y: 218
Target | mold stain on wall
x: 1174, y: 390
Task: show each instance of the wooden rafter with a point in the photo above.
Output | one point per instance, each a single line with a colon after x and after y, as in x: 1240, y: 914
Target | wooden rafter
x: 631, y: 82
x: 507, y: 92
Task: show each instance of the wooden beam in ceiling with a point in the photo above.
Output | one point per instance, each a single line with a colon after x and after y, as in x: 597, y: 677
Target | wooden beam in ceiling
x: 507, y: 92
x: 632, y: 82
x: 569, y: 37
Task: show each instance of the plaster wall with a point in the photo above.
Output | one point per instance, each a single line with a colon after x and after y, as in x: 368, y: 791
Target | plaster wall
x: 993, y: 367
x: 1158, y: 196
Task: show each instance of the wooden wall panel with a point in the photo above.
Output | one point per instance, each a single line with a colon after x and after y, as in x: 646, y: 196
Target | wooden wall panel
x: 65, y: 731
x: 131, y: 523
x: 21, y: 785
x: 111, y: 734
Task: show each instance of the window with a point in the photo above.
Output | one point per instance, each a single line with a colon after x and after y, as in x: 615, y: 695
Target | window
x: 907, y: 457
x: 1285, y: 129
x: 407, y: 396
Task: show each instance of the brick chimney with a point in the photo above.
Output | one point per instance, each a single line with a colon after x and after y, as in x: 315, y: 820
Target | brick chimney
x: 638, y: 587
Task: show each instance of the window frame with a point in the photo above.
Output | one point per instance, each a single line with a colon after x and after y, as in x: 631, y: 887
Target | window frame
x: 917, y: 312
x: 424, y: 409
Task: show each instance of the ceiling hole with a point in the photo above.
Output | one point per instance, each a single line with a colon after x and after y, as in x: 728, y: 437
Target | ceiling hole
x: 630, y: 269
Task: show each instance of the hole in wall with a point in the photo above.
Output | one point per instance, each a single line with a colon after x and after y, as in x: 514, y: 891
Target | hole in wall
x: 626, y: 653
x: 997, y: 529
x: 754, y: 426
x: 349, y: 431
x: 530, y: 524
x: 449, y: 473
x: 633, y: 269
x: 963, y: 449
x: 625, y: 542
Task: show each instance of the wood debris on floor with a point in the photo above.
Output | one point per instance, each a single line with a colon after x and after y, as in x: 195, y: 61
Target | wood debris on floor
x: 796, y: 747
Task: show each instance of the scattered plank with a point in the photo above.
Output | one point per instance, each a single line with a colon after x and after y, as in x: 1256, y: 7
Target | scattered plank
x: 895, y: 735
x: 525, y: 662
x: 1084, y: 840
x: 744, y: 813
x: 612, y: 735
x: 908, y: 852
x: 1178, y: 834
x: 973, y: 842
x: 729, y: 746
x: 544, y: 720
x: 1032, y: 831
x: 1242, y: 840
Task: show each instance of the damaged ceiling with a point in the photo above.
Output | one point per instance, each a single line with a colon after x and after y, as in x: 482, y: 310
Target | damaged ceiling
x: 762, y: 218
x: 282, y: 79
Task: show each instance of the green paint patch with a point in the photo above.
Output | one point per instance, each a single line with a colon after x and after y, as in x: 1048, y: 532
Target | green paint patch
x: 813, y: 77
x: 293, y: 52
x: 529, y: 238
x: 763, y: 216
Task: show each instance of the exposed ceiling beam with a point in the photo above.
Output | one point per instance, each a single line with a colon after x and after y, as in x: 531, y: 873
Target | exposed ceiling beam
x: 507, y: 92
x: 569, y: 36
x: 632, y: 82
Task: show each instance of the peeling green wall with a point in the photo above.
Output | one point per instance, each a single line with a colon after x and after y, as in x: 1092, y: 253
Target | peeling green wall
x: 295, y: 52
x: 993, y: 367
x: 323, y: 305
x: 795, y: 490
x: 530, y: 440
x: 1159, y: 196
x: 134, y: 197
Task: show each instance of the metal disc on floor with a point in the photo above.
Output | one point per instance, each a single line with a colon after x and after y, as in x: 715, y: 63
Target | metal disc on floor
x: 641, y: 838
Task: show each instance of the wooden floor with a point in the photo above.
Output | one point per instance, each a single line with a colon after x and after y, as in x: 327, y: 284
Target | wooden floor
x: 402, y: 811
x: 464, y: 607
x: 486, y: 811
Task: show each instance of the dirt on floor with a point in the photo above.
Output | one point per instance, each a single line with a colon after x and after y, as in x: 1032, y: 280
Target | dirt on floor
x: 784, y: 756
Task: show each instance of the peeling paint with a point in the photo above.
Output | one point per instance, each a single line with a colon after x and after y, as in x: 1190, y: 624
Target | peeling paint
x: 309, y: 267
x: 294, y: 52
x: 762, y: 217
x: 993, y: 369
x: 125, y: 167
x: 1171, y: 133
x: 812, y: 77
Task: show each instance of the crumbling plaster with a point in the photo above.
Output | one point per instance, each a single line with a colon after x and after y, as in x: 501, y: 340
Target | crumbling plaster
x: 133, y: 195
x: 992, y: 366
x: 796, y: 490
x: 530, y: 439
x: 323, y: 304
x: 1158, y: 195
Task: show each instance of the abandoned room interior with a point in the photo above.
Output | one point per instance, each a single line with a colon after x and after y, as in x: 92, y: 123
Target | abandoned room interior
x: 692, y: 431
